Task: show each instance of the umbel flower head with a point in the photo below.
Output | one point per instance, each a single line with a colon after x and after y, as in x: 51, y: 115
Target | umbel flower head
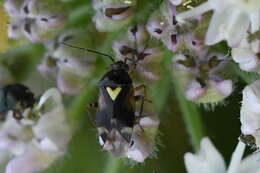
x: 35, y: 20
x: 250, y: 112
x: 111, y: 15
x: 70, y: 67
x: 39, y: 138
x: 230, y: 21
x: 209, y: 160
x: 140, y: 53
x: 203, y: 76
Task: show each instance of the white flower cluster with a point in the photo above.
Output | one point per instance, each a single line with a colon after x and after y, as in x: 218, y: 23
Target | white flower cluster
x: 233, y: 21
x: 39, y: 138
x: 230, y: 21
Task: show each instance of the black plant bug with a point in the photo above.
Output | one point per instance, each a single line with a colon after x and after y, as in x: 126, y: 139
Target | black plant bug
x: 16, y: 98
x: 116, y: 112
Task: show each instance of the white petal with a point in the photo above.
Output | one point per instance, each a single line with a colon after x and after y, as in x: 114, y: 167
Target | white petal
x: 52, y: 126
x: 208, y: 160
x: 220, y: 21
x: 194, y: 91
x: 250, y: 65
x: 251, y: 97
x: 238, y: 29
x: 139, y: 151
x: 32, y: 161
x: 13, y: 136
x: 176, y: 2
x: 250, y: 164
x: 225, y: 87
x: 194, y: 12
x: 53, y: 94
x: 255, y: 21
x: 236, y: 158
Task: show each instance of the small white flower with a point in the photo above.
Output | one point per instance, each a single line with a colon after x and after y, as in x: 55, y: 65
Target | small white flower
x: 40, y: 139
x: 209, y: 160
x: 230, y: 21
x: 250, y: 111
x: 247, y: 55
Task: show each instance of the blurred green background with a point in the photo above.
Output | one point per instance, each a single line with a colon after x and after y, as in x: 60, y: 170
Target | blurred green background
x: 85, y: 155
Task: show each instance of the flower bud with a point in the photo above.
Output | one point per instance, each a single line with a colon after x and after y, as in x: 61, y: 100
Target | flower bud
x: 112, y: 14
x: 156, y: 24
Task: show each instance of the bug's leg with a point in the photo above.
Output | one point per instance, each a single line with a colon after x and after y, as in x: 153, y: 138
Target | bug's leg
x: 142, y: 87
x: 140, y: 115
x: 91, y: 106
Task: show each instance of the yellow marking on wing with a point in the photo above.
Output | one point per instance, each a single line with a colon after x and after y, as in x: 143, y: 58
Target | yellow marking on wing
x: 113, y: 93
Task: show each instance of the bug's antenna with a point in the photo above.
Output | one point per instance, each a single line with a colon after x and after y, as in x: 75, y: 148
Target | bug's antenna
x: 89, y: 50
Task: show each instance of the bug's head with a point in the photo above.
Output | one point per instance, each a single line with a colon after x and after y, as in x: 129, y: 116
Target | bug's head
x: 119, y: 65
x: 116, y: 141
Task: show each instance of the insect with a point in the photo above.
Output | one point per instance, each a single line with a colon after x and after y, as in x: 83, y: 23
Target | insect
x: 116, y: 107
x: 16, y: 98
x: 249, y: 140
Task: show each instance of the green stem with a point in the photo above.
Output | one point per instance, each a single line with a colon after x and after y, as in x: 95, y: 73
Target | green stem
x: 190, y: 111
x: 79, y: 107
x: 191, y: 116
x: 112, y: 165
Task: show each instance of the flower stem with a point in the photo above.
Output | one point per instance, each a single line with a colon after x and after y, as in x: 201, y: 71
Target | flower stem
x: 189, y: 110
x: 79, y: 107
x: 113, y: 165
x: 191, y: 116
